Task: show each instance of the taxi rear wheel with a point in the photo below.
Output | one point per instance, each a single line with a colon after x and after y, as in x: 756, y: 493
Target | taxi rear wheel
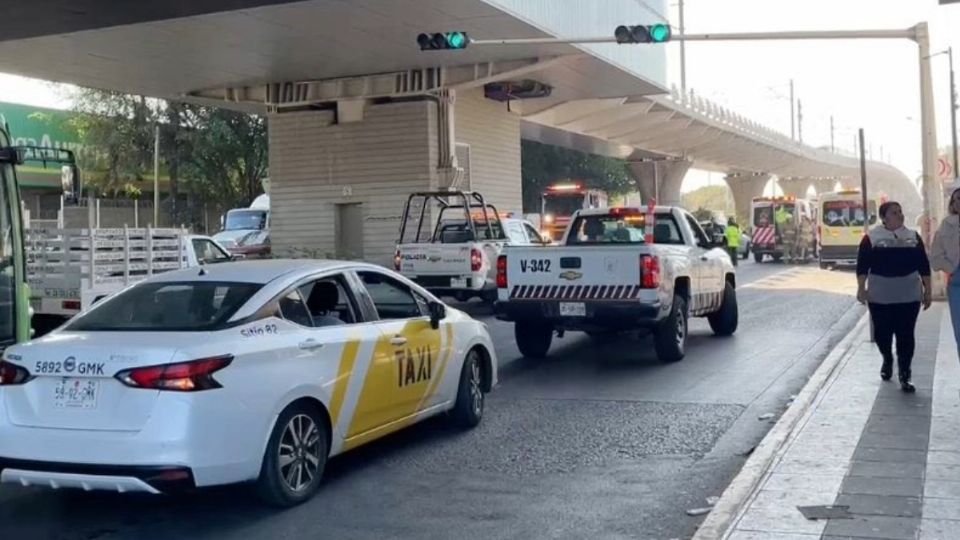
x: 295, y: 457
x: 468, y: 410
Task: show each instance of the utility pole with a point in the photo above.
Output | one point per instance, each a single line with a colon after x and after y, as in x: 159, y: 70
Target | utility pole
x: 156, y: 175
x: 953, y: 114
x: 683, y: 55
x: 793, y: 129
x: 832, y: 147
x: 800, y: 121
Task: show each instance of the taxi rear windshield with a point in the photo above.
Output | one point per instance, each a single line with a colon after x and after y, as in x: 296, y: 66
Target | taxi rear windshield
x: 189, y: 306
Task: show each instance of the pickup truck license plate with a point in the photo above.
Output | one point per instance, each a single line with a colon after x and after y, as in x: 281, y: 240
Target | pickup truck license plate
x: 76, y: 393
x: 573, y: 309
x: 458, y: 283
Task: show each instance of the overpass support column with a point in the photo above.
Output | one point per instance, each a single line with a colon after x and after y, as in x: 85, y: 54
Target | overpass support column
x: 745, y: 186
x: 796, y: 187
x: 825, y: 186
x: 670, y: 174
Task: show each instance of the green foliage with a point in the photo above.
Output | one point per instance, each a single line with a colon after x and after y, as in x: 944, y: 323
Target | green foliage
x: 544, y: 164
x: 710, y: 198
x: 214, y: 156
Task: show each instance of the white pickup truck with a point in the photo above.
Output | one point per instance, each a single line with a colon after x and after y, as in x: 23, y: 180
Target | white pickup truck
x: 455, y: 254
x: 604, y: 277
x: 70, y: 269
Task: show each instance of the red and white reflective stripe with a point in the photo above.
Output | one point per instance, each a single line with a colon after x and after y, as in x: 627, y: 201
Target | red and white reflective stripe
x: 763, y: 236
x: 575, y: 292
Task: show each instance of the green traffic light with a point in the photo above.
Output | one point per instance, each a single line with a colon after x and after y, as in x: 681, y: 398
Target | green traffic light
x: 457, y: 40
x: 659, y: 33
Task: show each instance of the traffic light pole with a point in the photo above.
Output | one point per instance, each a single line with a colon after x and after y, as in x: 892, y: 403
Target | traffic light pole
x: 932, y: 192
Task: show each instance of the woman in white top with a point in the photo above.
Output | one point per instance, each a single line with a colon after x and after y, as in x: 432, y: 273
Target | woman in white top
x: 945, y: 256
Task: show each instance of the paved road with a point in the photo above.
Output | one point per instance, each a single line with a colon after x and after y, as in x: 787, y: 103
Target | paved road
x: 598, y: 441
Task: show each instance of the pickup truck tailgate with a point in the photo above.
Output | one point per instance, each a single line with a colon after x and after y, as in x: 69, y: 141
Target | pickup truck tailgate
x: 434, y: 259
x: 586, y: 273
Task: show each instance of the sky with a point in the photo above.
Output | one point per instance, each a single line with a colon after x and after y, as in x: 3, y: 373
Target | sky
x: 869, y: 84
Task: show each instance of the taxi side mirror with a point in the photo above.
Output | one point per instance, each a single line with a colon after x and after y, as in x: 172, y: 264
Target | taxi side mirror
x: 438, y: 312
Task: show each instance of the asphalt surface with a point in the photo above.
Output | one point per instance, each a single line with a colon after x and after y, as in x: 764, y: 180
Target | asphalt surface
x: 600, y: 440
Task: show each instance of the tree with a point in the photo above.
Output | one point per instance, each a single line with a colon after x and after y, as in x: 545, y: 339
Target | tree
x: 714, y: 199
x: 544, y: 164
x: 218, y: 156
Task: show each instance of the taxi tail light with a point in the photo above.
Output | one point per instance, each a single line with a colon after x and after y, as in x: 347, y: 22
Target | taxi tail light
x: 396, y: 260
x: 649, y: 271
x: 180, y: 377
x: 11, y: 374
x: 476, y: 260
x: 502, y: 272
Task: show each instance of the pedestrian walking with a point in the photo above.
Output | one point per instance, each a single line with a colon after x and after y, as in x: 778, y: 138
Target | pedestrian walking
x: 893, y: 279
x: 733, y: 240
x: 945, y: 257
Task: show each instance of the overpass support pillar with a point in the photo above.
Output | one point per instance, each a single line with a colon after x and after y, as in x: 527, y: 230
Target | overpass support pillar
x: 745, y: 186
x: 340, y: 178
x: 825, y: 186
x: 796, y: 187
x: 670, y: 174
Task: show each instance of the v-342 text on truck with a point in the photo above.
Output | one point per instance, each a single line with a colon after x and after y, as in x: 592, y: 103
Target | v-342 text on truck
x: 606, y: 277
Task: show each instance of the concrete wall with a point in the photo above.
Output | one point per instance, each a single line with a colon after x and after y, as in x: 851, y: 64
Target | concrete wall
x: 493, y: 134
x: 316, y: 164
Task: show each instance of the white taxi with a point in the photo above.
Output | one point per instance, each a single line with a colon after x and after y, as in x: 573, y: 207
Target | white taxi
x: 248, y: 371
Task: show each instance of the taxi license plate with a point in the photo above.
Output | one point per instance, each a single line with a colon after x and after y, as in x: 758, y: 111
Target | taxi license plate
x: 76, y: 393
x: 573, y: 309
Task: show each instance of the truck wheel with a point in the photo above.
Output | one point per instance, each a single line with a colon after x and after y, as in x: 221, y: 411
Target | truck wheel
x: 758, y: 257
x: 777, y: 258
x: 746, y: 252
x: 724, y: 322
x: 489, y: 297
x: 670, y: 336
x: 533, y: 339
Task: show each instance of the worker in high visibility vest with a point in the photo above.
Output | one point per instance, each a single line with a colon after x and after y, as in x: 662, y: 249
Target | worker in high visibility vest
x: 733, y: 240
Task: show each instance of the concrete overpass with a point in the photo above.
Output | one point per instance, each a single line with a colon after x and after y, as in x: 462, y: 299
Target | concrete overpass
x: 359, y: 116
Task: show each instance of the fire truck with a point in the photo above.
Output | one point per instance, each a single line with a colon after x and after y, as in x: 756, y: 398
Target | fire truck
x: 783, y: 228
x: 560, y: 201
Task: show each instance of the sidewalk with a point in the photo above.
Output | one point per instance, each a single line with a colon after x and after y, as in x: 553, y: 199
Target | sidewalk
x: 892, y: 459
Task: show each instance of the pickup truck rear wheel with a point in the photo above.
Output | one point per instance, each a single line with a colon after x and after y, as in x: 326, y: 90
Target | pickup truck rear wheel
x: 724, y: 322
x: 670, y: 336
x: 533, y: 339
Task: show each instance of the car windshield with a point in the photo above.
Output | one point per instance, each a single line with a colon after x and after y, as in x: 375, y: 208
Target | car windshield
x: 188, y: 306
x: 845, y: 213
x: 562, y: 205
x: 458, y: 231
x: 246, y: 220
x: 608, y: 229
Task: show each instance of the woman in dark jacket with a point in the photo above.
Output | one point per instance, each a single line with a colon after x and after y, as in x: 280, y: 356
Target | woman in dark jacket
x: 893, y: 278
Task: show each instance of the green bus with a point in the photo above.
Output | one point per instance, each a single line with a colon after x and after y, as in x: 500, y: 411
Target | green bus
x: 14, y: 291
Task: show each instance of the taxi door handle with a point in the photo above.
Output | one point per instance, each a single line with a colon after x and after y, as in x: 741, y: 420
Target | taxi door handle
x: 398, y: 341
x: 310, y: 344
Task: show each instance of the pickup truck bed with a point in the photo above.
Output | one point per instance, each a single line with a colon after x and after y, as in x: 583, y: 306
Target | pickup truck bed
x: 615, y: 281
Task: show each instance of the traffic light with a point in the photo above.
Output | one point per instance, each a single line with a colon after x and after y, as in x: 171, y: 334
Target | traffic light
x: 649, y: 33
x: 443, y: 41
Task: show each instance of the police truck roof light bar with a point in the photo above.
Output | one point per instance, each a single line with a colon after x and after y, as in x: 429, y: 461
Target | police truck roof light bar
x: 565, y: 187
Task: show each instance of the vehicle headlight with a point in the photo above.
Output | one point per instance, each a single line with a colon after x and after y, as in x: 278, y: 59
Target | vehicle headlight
x: 548, y: 218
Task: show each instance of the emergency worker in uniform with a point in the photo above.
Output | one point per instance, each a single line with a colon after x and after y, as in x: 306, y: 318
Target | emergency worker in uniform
x: 733, y: 240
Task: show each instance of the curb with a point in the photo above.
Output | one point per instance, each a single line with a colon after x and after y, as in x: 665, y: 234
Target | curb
x: 733, y: 500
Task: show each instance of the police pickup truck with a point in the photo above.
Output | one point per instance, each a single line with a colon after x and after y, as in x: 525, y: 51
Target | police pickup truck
x: 455, y: 253
x: 605, y: 277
